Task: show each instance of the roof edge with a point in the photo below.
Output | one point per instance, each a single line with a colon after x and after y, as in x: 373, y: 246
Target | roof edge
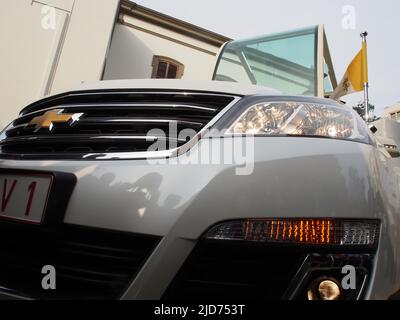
x: 137, y: 11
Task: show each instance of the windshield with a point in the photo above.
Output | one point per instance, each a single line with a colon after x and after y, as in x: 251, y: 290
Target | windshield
x: 286, y: 62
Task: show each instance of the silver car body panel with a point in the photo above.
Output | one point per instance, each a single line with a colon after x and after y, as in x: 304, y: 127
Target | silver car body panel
x: 305, y: 178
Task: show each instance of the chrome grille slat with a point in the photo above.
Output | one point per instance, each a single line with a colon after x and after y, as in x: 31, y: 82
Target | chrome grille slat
x: 103, y: 95
x: 109, y: 124
x: 121, y: 106
x: 81, y: 138
x: 113, y: 121
x: 141, y: 105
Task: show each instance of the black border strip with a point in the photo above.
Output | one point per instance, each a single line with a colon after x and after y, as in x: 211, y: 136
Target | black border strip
x: 60, y: 194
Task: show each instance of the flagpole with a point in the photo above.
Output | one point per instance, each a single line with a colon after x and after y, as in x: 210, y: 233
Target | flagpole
x: 365, y: 75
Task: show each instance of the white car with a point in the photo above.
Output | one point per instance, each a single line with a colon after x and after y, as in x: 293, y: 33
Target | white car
x: 310, y: 210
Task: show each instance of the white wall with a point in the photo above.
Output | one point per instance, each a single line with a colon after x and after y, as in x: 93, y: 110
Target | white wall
x: 388, y: 130
x: 24, y: 56
x: 86, y: 43
x: 132, y: 52
x: 35, y: 61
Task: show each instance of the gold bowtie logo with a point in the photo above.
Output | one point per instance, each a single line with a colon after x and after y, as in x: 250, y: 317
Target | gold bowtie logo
x: 48, y: 119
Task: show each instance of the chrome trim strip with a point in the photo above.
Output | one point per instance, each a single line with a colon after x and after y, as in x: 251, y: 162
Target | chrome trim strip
x: 10, y: 294
x: 117, y: 105
x: 85, y: 137
x: 97, y: 93
x: 136, y: 105
x: 19, y: 126
x: 111, y: 120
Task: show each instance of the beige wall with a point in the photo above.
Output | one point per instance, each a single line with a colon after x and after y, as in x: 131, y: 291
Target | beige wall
x: 25, y: 54
x: 86, y: 43
x: 35, y: 61
x: 132, y: 52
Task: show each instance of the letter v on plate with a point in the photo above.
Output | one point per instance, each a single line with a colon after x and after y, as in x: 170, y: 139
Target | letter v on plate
x: 7, y: 194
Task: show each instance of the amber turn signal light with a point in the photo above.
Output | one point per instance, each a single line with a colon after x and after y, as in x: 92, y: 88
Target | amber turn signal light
x: 298, y: 231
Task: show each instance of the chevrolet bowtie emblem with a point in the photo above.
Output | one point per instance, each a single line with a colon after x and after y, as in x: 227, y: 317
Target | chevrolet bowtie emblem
x: 48, y: 119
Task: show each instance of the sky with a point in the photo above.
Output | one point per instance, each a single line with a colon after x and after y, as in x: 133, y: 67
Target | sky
x: 344, y: 20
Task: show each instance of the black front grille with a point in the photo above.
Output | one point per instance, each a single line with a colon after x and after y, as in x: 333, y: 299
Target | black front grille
x: 90, y: 263
x: 231, y: 272
x: 112, y: 122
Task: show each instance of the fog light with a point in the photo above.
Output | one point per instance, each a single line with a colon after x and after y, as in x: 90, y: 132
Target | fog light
x: 324, y: 290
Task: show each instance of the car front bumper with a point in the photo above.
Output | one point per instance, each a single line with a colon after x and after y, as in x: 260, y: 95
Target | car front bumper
x: 179, y: 201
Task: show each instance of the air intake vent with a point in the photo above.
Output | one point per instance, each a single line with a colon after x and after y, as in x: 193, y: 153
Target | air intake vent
x: 234, y: 272
x: 89, y: 263
x: 92, y: 124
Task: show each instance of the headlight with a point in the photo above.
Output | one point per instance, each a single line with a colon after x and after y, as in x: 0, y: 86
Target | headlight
x: 301, y: 119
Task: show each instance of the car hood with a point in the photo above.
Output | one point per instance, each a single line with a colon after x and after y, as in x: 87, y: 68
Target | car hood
x: 173, y: 84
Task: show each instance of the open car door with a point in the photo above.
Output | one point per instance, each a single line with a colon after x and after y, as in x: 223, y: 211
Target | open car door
x: 296, y: 62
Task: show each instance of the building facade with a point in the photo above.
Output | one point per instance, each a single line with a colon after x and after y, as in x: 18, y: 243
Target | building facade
x: 393, y: 112
x: 149, y: 44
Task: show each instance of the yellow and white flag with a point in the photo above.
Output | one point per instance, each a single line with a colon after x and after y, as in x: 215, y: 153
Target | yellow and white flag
x: 355, y: 77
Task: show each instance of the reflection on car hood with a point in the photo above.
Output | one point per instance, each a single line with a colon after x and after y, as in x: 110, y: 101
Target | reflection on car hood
x: 172, y: 84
